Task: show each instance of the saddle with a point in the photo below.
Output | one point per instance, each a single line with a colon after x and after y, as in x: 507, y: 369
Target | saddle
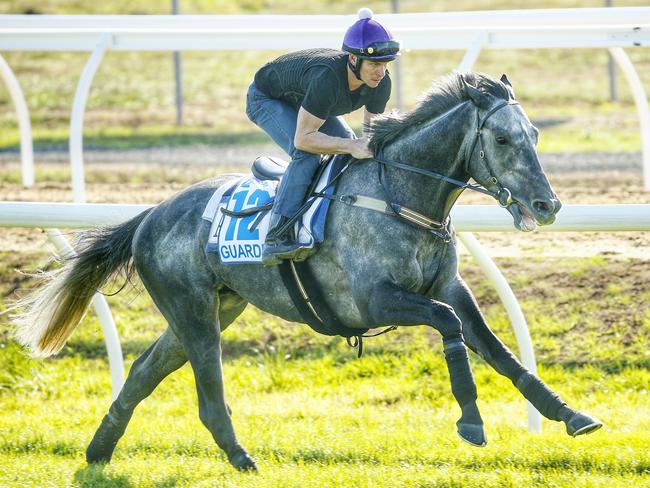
x: 239, y: 211
x: 239, y: 215
x: 269, y: 168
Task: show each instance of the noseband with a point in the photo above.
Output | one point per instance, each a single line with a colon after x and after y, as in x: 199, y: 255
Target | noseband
x: 502, y: 194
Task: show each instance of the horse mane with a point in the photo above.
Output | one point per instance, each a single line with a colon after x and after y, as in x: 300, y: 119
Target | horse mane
x: 445, y: 93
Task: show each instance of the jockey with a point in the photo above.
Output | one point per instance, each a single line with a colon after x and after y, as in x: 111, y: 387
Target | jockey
x: 298, y: 99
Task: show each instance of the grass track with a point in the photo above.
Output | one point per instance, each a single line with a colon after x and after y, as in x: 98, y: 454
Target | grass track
x: 313, y: 415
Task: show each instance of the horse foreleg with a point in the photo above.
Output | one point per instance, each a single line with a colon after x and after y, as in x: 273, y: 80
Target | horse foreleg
x: 485, y: 343
x: 163, y: 357
x: 390, y: 304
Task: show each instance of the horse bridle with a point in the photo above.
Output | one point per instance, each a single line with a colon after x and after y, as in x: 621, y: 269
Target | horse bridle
x: 502, y: 194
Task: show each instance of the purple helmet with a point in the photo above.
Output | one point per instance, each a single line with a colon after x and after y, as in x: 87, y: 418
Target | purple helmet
x: 368, y: 39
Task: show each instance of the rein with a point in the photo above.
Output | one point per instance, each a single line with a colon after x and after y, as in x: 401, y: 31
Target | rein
x: 502, y: 194
x: 440, y: 229
x: 433, y: 174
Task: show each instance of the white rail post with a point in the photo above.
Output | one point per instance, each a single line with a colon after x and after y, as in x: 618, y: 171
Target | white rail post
x: 510, y: 303
x: 517, y: 319
x: 641, y: 101
x: 111, y: 338
x: 77, y: 118
x: 471, y: 55
x: 26, y: 146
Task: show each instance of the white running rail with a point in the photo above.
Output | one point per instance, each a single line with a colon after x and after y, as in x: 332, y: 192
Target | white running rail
x: 620, y: 27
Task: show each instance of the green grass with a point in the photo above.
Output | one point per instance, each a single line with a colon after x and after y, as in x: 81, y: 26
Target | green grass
x: 313, y: 415
x: 564, y: 91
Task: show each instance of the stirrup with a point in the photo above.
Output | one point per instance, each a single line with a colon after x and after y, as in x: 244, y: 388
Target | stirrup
x: 269, y: 257
x: 276, y: 221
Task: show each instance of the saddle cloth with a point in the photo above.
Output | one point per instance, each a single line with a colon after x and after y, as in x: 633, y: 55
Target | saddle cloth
x: 239, y: 240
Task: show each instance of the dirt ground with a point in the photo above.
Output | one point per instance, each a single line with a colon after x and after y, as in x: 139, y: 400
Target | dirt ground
x: 577, y: 179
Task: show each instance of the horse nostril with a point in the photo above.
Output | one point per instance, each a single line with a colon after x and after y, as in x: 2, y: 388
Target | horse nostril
x: 544, y: 206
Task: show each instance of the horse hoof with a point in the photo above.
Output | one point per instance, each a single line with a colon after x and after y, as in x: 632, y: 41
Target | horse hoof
x: 96, y: 455
x: 243, y: 462
x: 472, y: 434
x: 101, y: 447
x: 100, y: 450
x: 580, y: 424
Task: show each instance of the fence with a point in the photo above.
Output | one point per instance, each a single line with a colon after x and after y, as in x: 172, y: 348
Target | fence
x: 610, y: 28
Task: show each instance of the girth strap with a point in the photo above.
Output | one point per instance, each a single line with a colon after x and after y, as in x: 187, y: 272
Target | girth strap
x: 299, y: 281
x: 308, y: 299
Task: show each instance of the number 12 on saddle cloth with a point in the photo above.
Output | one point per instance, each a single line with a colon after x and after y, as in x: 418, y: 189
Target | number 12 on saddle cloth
x: 239, y: 240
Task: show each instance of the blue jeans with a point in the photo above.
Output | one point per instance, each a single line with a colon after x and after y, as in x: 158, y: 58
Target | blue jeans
x: 279, y: 119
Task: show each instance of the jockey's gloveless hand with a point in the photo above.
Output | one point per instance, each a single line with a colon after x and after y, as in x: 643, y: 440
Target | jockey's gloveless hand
x: 360, y: 149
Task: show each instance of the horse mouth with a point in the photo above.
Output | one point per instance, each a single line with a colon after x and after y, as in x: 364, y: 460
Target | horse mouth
x: 524, y: 219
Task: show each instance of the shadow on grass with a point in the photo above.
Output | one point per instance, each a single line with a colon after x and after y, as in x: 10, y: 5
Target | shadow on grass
x: 145, y: 141
x: 96, y: 348
x: 296, y: 348
x: 303, y: 347
x: 614, y: 366
x: 93, y: 476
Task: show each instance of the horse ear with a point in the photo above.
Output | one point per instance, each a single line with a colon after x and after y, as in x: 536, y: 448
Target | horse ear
x: 479, y: 98
x: 504, y: 79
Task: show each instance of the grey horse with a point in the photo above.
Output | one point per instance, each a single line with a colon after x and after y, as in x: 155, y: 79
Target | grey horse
x: 374, y: 268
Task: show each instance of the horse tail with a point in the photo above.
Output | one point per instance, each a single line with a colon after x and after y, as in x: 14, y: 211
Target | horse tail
x: 51, y: 313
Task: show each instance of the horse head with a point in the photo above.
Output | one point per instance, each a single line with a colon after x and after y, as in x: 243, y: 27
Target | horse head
x: 502, y: 155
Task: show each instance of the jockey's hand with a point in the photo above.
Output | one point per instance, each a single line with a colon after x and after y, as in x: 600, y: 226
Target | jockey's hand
x: 360, y: 149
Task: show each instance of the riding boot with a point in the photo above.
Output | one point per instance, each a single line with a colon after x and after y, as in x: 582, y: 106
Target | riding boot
x: 279, y: 245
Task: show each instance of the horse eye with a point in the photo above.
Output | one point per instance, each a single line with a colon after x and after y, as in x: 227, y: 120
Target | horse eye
x: 501, y: 140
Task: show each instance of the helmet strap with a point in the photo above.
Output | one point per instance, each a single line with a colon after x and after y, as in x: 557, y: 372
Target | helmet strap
x: 356, y: 68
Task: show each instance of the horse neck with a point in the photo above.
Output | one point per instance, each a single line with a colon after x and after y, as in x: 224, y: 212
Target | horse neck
x: 437, y: 146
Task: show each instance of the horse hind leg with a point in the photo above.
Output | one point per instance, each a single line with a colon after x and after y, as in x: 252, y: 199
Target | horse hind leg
x: 162, y: 358
x: 192, y: 309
